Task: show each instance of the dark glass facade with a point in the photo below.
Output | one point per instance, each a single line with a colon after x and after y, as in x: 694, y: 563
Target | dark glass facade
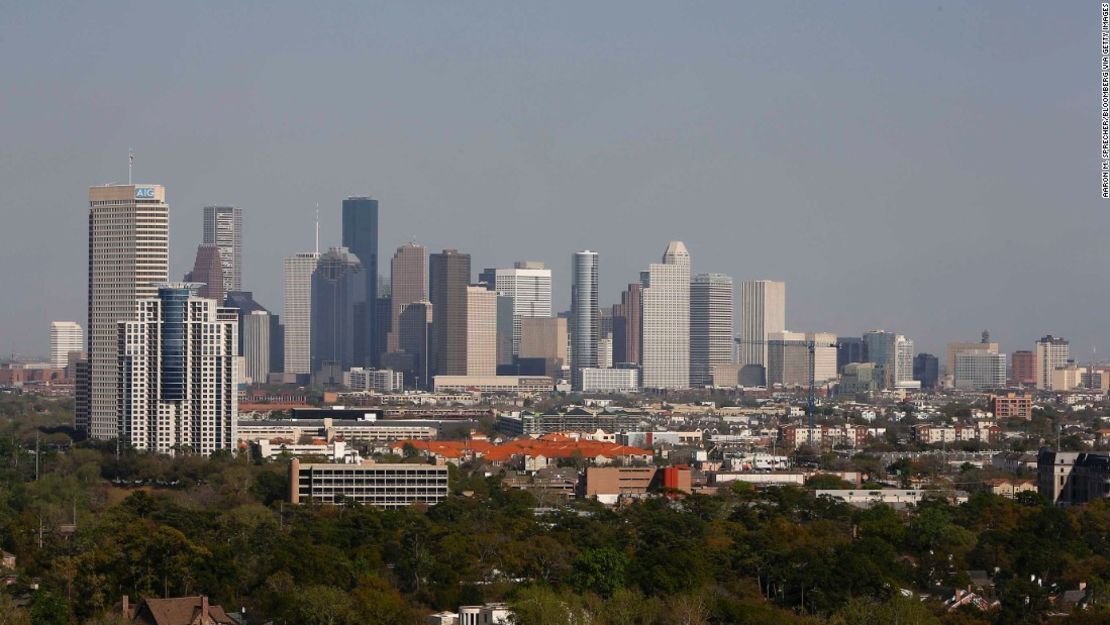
x: 926, y: 369
x: 175, y: 313
x: 360, y: 236
x: 850, y: 349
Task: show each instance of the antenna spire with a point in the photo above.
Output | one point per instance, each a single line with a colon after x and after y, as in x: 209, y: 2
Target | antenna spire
x: 130, y: 163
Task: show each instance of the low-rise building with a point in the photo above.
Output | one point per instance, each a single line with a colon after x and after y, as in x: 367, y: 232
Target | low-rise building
x: 1011, y: 406
x: 1069, y: 478
x: 509, y: 384
x: 930, y: 434
x: 335, y: 451
x: 383, y: 485
x: 488, y: 614
x: 610, y: 380
x: 795, y: 436
x: 610, y: 484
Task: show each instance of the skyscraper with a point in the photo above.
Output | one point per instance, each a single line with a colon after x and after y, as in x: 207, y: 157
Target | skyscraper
x: 1049, y: 352
x: 926, y: 369
x: 666, y: 318
x: 415, y: 330
x: 627, y: 323
x: 128, y: 257
x: 585, y: 316
x: 297, y: 311
x: 65, y: 337
x: 244, y: 304
x: 448, y: 279
x: 223, y: 227
x: 360, y: 236
x: 177, y: 374
x: 762, y: 311
x: 850, y: 349
x: 528, y: 283
x: 256, y: 345
x: 338, y: 296
x: 710, y: 325
x: 409, y: 284
x: 481, y: 331
x: 208, y: 271
x: 894, y: 353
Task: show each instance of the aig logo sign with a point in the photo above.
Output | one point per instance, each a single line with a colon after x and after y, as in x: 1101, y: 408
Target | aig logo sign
x: 144, y: 193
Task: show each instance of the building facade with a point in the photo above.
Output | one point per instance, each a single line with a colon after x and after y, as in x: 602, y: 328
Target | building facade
x: 850, y: 349
x: 389, y: 486
x: 481, y: 331
x: 128, y: 257
x: 666, y: 320
x: 223, y: 228
x: 256, y: 345
x: 628, y: 318
x: 1023, y: 368
x: 762, y: 311
x: 979, y: 370
x: 178, y: 379
x: 926, y: 369
x: 894, y: 354
x: 711, y: 327
x: 208, y: 271
x: 528, y: 284
x: 610, y: 380
x: 408, y: 284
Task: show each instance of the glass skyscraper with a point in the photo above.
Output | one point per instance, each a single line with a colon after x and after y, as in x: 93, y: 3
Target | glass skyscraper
x: 360, y: 236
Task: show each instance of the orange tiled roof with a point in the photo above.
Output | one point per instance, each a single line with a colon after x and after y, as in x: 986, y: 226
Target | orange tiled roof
x: 549, y: 446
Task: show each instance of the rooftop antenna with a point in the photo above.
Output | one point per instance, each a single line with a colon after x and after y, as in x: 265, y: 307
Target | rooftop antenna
x: 317, y: 228
x: 130, y: 163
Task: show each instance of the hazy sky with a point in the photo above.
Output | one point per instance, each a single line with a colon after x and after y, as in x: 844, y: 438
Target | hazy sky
x: 925, y: 168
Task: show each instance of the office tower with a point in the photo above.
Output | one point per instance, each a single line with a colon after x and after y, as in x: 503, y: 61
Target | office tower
x: 528, y: 283
x: 508, y: 329
x: 128, y: 256
x: 894, y: 353
x: 954, y: 348
x: 481, y: 331
x: 1023, y: 368
x: 208, y: 272
x: 223, y: 227
x: 65, y: 337
x: 448, y: 279
x: 850, y: 349
x: 544, y: 339
x: 408, y: 284
x: 627, y: 324
x: 338, y: 296
x: 584, y: 313
x: 710, y: 325
x: 666, y: 320
x: 244, y: 304
x: 793, y: 358
x: 762, y: 311
x: 979, y: 370
x: 1049, y: 352
x: 256, y: 345
x: 177, y: 374
x: 926, y: 369
x: 415, y: 329
x: 605, y: 352
x: 360, y: 236
x: 297, y: 311
x: 382, y: 317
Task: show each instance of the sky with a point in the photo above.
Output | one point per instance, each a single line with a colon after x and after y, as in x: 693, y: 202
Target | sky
x: 926, y: 168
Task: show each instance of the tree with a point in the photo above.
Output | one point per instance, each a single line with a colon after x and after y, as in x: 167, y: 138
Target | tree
x: 600, y: 570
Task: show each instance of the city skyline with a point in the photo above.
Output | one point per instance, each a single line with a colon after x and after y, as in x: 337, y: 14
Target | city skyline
x: 936, y: 150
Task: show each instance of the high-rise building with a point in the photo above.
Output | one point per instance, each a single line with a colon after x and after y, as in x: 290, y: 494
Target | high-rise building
x: 65, y: 337
x: 256, y: 345
x: 894, y: 354
x: 793, y: 358
x: 208, y: 272
x: 244, y: 304
x: 762, y: 311
x: 954, y: 348
x: 507, y: 325
x: 1023, y: 368
x: 666, y: 320
x: 128, y: 257
x: 545, y: 339
x: 297, y: 311
x: 584, y: 323
x: 979, y: 370
x: 850, y: 349
x: 223, y: 227
x: 481, y: 331
x: 338, y: 296
x: 710, y: 325
x: 926, y: 369
x: 1049, y: 352
x: 177, y: 374
x: 408, y: 283
x: 528, y: 283
x: 627, y: 324
x: 360, y: 236
x: 448, y: 279
x: 415, y: 332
